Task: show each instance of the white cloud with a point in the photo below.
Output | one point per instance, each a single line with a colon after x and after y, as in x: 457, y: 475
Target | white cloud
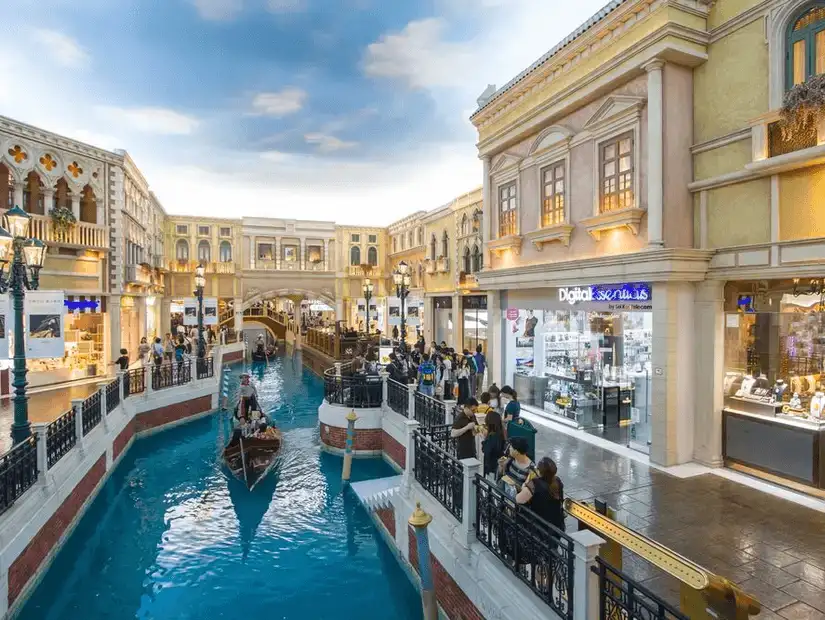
x: 218, y: 10
x: 160, y: 121
x: 328, y: 143
x: 287, y: 101
x: 61, y: 48
x: 419, y: 56
x: 286, y: 6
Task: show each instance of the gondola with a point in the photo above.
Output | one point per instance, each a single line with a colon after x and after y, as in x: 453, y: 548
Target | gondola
x: 251, y: 458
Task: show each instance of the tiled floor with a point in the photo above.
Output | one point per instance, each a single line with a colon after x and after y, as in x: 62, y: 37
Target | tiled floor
x: 773, y: 548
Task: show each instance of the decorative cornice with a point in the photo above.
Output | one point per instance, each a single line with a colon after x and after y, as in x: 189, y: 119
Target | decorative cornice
x: 623, y: 218
x: 501, y: 245
x: 715, y: 143
x: 56, y: 141
x: 559, y: 232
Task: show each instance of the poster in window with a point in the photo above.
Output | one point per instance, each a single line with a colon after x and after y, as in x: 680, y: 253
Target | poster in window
x: 5, y: 314
x: 394, y: 311
x: 362, y: 307
x: 210, y: 311
x: 290, y: 253
x: 190, y: 311
x: 44, y: 320
x: 413, y: 312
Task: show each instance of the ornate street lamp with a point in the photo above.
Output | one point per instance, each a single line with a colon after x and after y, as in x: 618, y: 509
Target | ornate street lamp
x: 200, y: 282
x: 368, y: 288
x: 22, y: 253
x: 401, y: 278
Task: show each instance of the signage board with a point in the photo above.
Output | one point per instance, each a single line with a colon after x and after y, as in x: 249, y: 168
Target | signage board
x: 639, y: 292
x: 44, y: 323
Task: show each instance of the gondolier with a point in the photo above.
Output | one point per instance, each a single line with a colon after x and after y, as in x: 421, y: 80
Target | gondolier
x: 247, y: 399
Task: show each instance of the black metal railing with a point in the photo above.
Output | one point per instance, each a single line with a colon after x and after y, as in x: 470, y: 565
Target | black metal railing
x: 92, y: 413
x: 112, y: 395
x: 429, y: 411
x: 206, y: 367
x: 535, y: 551
x: 398, y: 397
x: 61, y: 436
x: 171, y: 375
x: 440, y: 473
x: 440, y: 436
x: 135, y: 382
x: 18, y: 471
x: 621, y: 596
x: 356, y: 391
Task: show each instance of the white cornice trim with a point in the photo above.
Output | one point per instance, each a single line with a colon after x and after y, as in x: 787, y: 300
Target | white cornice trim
x: 57, y: 141
x: 741, y: 20
x: 715, y: 143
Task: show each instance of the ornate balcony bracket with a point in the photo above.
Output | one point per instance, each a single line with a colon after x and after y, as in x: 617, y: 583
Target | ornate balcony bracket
x: 549, y: 234
x: 502, y: 245
x: 442, y: 265
x: 623, y: 218
x: 430, y: 265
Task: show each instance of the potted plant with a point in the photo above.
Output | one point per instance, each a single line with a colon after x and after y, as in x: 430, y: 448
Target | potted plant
x: 802, y: 105
x: 62, y: 218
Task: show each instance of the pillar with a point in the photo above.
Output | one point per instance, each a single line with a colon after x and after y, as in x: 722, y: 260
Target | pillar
x: 495, y: 352
x: 420, y: 520
x: 18, y: 193
x: 466, y: 531
x: 585, y: 603
x: 458, y: 324
x: 486, y: 213
x: 351, y: 418
x: 100, y: 212
x: 301, y: 254
x: 339, y: 302
x: 710, y: 371
x: 237, y: 304
x: 143, y: 309
x: 384, y: 389
x: 410, y: 426
x: 655, y: 153
x: 48, y: 199
x: 76, y: 204
x: 278, y: 253
x: 251, y: 252
x: 113, y: 308
x: 77, y: 405
x: 165, y: 325
x: 326, y: 254
x: 673, y: 391
x: 429, y: 320
x: 40, y: 430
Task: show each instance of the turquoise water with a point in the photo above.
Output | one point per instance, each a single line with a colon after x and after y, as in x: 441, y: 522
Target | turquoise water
x: 173, y: 535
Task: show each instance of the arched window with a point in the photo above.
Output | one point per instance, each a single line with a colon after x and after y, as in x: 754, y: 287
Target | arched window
x: 182, y: 249
x: 395, y: 244
x: 204, y: 251
x: 420, y: 235
x: 226, y: 252
x: 476, y: 221
x: 355, y: 255
x: 464, y: 229
x: 806, y: 46
x: 478, y: 259
x: 432, y: 247
x: 467, y: 264
x: 403, y: 241
x: 372, y: 257
x: 445, y: 245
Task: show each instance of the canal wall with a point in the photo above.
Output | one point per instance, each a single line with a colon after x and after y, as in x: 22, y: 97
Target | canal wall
x: 33, y: 530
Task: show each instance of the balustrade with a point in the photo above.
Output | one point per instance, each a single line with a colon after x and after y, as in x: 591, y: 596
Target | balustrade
x: 112, y: 395
x: 135, y: 382
x: 80, y: 234
x: 352, y: 391
x: 171, y: 374
x: 91, y: 413
x: 429, y: 411
x: 398, y: 397
x: 61, y: 436
x: 620, y: 596
x: 18, y: 471
x: 440, y: 473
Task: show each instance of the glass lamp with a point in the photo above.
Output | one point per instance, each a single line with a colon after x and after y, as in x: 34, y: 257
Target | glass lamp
x: 18, y: 222
x: 407, y: 280
x: 6, y: 242
x: 200, y: 281
x: 397, y: 277
x: 34, y: 251
x: 403, y: 268
x: 199, y: 271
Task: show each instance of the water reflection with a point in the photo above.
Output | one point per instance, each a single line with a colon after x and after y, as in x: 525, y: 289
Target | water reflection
x: 250, y: 506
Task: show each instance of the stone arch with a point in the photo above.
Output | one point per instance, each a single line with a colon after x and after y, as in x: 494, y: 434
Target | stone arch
x: 779, y: 20
x: 551, y: 136
x: 88, y: 205
x: 34, y: 194
x: 62, y: 194
x: 285, y: 292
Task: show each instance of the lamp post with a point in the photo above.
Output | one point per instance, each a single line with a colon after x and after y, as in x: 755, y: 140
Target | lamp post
x: 401, y: 277
x: 22, y: 252
x: 368, y: 288
x: 200, y: 282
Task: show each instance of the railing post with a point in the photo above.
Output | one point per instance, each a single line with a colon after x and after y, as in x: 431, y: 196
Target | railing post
x: 409, y: 461
x: 101, y: 387
x: 468, y: 501
x: 41, y: 430
x: 384, y: 388
x: 351, y: 418
x: 122, y: 376
x: 420, y: 520
x: 77, y: 404
x: 586, y: 545
x: 148, y: 388
x: 449, y: 407
x: 411, y: 405
x: 338, y: 369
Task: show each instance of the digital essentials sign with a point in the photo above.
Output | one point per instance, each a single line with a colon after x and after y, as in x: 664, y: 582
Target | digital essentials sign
x: 606, y: 293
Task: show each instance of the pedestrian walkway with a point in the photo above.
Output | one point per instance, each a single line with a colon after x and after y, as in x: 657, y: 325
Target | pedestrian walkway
x: 772, y: 547
x: 44, y: 406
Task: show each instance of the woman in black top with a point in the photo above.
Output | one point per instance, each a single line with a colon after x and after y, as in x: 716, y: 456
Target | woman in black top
x: 493, y: 444
x: 544, y: 494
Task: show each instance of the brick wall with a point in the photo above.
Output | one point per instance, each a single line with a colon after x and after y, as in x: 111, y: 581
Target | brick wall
x: 367, y: 439
x: 172, y: 413
x: 122, y: 440
x: 452, y: 599
x: 27, y: 563
x: 387, y: 517
x: 232, y: 356
x: 394, y: 450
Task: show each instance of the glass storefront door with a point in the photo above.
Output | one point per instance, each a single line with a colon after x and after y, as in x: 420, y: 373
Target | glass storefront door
x: 475, y: 322
x: 443, y: 320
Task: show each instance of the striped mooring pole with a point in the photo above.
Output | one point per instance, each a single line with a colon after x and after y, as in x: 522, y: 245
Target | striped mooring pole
x: 351, y: 418
x: 225, y: 389
x: 420, y: 520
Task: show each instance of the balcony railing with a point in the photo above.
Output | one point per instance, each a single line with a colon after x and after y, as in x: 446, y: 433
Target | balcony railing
x: 440, y: 473
x: 188, y: 266
x: 134, y: 382
x: 271, y: 265
x: 138, y: 274
x: 398, y: 397
x: 112, y: 395
x: 79, y: 235
x: 18, y: 472
x: 429, y: 411
x: 61, y: 436
x: 171, y: 375
x: 352, y: 391
x: 92, y: 413
x: 622, y: 597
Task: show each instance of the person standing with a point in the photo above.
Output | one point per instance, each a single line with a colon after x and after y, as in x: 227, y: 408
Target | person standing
x: 463, y: 430
x: 544, y: 494
x: 143, y: 351
x: 169, y: 348
x: 426, y: 376
x: 463, y: 378
x: 492, y: 446
x: 481, y: 366
x: 157, y: 352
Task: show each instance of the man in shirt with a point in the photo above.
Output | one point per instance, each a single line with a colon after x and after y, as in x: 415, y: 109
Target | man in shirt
x: 463, y: 430
x: 426, y: 376
x: 481, y: 366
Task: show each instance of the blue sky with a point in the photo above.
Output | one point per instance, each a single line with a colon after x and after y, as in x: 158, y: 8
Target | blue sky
x: 350, y: 110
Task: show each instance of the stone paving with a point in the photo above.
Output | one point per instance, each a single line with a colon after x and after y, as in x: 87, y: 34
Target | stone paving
x: 773, y: 548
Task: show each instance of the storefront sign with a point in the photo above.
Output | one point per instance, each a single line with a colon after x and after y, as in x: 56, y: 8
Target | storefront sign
x: 512, y: 314
x: 5, y: 315
x: 44, y: 322
x: 605, y: 293
x: 190, y: 311
x: 210, y: 311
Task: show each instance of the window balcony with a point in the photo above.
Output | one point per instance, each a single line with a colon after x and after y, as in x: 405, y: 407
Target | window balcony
x: 442, y: 265
x: 511, y: 243
x: 769, y: 140
x: 550, y: 234
x: 81, y: 235
x: 138, y: 274
x: 630, y: 218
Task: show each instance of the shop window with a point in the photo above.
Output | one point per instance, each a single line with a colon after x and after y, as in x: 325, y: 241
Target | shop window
x: 265, y: 251
x: 478, y: 259
x: 468, y: 266
x: 806, y: 46
x: 616, y: 169
x: 226, y: 231
x: 182, y: 229
x: 355, y: 256
x: 225, y: 252
x: 507, y: 210
x: 552, y: 195
x: 204, y: 251
x: 445, y: 245
x: 372, y: 257
x: 475, y: 322
x: 204, y: 231
x: 315, y: 254
x: 182, y: 250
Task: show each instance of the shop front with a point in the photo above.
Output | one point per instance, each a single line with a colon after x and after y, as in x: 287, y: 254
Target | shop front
x: 582, y: 355
x: 475, y: 322
x: 773, y: 422
x: 443, y: 320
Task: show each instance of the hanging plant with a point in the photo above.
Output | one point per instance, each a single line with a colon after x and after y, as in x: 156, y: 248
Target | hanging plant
x: 802, y: 105
x: 62, y: 218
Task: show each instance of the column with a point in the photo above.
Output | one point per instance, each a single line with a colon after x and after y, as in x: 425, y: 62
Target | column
x: 100, y: 210
x: 420, y: 520
x: 113, y: 308
x: 142, y: 309
x: 251, y: 252
x: 495, y: 352
x: 42, y: 453
x: 326, y: 254
x: 673, y: 391
x: 48, y: 199
x: 165, y: 316
x: 486, y: 213
x: 410, y: 426
x: 466, y: 531
x: 76, y: 204
x: 237, y: 304
x: 339, y: 299
x: 18, y: 193
x: 429, y: 320
x: 655, y: 152
x: 301, y: 258
x: 774, y: 220
x: 710, y: 371
x: 278, y: 253
x: 458, y: 324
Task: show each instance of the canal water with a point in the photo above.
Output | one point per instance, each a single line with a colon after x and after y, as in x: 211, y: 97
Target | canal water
x: 173, y: 535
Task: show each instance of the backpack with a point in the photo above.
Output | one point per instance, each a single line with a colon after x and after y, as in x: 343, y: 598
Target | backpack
x: 427, y: 371
x: 179, y: 354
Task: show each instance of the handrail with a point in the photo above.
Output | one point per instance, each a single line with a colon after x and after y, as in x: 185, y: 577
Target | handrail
x: 398, y: 397
x: 429, y: 411
x: 440, y: 474
x: 621, y: 596
x: 18, y: 471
